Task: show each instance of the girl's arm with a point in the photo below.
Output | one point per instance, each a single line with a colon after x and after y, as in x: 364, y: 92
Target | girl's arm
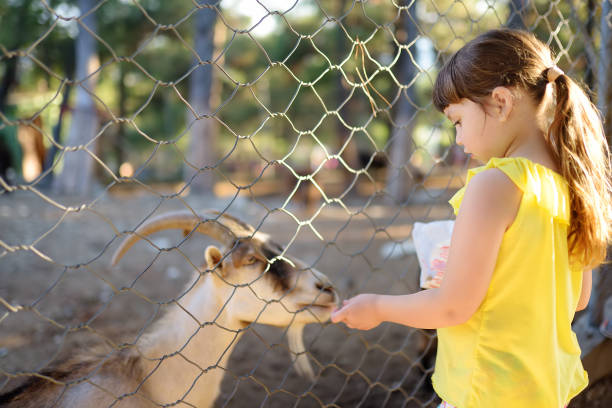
x: 585, y: 293
x: 489, y: 207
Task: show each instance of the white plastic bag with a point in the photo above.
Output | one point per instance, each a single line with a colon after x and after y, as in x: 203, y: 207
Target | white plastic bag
x: 432, y: 242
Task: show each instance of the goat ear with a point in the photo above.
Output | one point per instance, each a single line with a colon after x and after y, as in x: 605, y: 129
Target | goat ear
x: 214, y: 258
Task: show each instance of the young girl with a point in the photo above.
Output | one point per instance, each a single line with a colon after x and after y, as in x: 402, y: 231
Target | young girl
x: 530, y: 225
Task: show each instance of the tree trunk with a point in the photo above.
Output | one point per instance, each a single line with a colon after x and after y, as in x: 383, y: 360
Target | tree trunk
x: 604, y: 90
x: 400, y: 173
x: 47, y: 181
x: 596, y: 349
x: 201, y: 153
x: 119, y: 137
x: 8, y: 156
x: 603, y: 288
x: 517, y: 9
x: 350, y: 154
x: 589, y: 76
x: 76, y: 176
x: 8, y: 81
x: 341, y: 90
x: 7, y: 139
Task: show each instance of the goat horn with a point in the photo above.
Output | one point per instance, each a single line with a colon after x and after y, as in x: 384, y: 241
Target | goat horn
x: 222, y: 227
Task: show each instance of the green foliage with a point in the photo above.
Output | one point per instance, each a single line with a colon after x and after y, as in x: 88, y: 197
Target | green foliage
x: 271, y: 88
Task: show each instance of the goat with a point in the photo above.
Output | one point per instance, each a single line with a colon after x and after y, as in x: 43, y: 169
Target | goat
x: 181, y: 359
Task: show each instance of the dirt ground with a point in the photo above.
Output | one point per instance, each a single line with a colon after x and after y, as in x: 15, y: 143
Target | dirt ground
x: 57, y: 265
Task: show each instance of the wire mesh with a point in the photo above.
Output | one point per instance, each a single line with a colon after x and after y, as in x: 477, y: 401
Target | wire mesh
x: 309, y: 120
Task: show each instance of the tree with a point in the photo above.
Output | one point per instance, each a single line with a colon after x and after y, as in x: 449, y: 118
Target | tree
x: 76, y: 176
x: 603, y: 290
x: 10, y: 42
x: 517, y: 8
x: 400, y: 173
x: 596, y: 349
x: 202, y: 144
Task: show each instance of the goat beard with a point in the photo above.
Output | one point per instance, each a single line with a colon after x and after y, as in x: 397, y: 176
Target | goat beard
x: 295, y: 339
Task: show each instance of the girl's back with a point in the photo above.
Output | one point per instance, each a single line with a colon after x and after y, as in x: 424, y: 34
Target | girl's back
x: 512, y: 339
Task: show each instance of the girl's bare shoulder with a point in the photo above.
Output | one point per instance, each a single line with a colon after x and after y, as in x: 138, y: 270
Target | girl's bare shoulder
x: 492, y: 193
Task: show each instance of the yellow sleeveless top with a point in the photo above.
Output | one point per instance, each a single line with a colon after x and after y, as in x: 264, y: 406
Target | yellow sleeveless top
x: 518, y: 349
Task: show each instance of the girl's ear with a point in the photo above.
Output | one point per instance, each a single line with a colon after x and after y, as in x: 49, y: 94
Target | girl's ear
x: 503, y: 102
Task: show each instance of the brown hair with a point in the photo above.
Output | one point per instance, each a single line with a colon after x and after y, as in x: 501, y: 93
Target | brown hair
x: 517, y: 59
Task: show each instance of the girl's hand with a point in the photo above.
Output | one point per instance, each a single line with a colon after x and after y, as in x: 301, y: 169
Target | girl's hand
x: 360, y: 312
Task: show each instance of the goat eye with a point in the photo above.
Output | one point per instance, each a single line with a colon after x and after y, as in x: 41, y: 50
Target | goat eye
x: 251, y: 260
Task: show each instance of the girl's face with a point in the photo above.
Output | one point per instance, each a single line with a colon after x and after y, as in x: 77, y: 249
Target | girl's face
x: 476, y: 130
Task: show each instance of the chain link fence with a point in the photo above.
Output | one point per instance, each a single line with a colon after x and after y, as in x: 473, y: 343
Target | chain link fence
x: 309, y: 120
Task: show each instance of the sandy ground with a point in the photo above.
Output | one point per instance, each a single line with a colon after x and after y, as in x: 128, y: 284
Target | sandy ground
x: 58, y: 266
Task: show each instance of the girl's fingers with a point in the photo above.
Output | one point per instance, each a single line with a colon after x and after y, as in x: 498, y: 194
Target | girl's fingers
x: 340, y: 314
x: 337, y: 316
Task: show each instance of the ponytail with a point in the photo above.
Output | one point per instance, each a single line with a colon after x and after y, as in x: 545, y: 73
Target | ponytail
x: 577, y: 139
x: 515, y: 58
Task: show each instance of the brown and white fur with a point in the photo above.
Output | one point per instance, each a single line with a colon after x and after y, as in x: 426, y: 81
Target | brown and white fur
x: 181, y: 360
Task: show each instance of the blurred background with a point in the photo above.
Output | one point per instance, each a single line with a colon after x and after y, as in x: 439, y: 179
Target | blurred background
x: 311, y: 120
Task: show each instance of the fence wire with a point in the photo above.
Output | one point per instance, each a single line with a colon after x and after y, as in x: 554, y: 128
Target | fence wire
x: 309, y: 120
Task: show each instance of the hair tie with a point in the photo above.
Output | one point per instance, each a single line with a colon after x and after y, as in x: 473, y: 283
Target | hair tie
x: 553, y: 73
